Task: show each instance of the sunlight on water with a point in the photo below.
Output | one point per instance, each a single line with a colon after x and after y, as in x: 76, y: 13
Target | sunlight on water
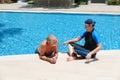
x: 21, y: 33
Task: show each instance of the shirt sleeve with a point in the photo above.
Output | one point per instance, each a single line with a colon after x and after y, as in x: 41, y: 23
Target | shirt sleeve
x: 96, y: 37
x: 82, y: 35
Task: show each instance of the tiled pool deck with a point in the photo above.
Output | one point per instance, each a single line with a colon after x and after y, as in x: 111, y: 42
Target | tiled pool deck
x: 30, y: 67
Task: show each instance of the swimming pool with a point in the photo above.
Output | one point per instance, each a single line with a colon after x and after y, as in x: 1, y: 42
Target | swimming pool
x: 22, y: 32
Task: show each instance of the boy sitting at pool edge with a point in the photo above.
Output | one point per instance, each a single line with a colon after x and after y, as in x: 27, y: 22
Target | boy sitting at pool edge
x: 92, y: 43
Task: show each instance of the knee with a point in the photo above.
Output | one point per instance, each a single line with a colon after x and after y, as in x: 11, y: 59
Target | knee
x: 69, y: 45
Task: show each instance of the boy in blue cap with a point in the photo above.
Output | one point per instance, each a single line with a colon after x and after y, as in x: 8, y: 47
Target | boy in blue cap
x: 92, y: 43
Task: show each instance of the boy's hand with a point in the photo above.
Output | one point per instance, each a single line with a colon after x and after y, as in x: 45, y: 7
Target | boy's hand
x: 53, y: 60
x: 88, y: 56
x: 65, y: 43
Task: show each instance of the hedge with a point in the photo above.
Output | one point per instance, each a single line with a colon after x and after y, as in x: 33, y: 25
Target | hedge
x: 82, y: 2
x: 113, y: 2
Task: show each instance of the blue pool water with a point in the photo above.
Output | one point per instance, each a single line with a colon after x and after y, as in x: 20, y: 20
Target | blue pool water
x: 21, y: 32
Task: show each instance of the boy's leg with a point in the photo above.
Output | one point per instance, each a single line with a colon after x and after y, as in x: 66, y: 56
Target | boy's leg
x: 71, y: 49
x: 80, y: 50
x: 72, y: 54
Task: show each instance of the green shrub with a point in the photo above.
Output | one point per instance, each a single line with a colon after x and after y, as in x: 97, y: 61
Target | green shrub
x: 14, y: 0
x: 30, y: 2
x: 113, y: 2
x: 81, y: 2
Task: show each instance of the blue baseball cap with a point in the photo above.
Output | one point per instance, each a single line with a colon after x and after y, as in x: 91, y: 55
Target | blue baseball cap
x: 90, y: 21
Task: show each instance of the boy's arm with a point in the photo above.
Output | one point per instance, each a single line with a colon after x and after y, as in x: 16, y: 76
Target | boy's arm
x: 99, y: 46
x: 56, y: 52
x: 73, y: 40
x: 42, y: 53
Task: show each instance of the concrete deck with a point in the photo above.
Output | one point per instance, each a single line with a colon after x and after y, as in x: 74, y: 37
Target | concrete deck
x: 30, y: 67
x: 93, y: 8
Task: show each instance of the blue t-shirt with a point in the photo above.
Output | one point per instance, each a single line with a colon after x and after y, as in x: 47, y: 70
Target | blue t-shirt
x: 92, y: 39
x: 95, y: 36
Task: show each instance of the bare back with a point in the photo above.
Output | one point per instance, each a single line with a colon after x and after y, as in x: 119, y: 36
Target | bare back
x: 47, y: 49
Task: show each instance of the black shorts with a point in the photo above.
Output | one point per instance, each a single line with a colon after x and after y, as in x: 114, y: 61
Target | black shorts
x: 81, y: 50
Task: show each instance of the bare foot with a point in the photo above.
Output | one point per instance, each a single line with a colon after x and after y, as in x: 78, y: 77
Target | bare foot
x: 70, y: 58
